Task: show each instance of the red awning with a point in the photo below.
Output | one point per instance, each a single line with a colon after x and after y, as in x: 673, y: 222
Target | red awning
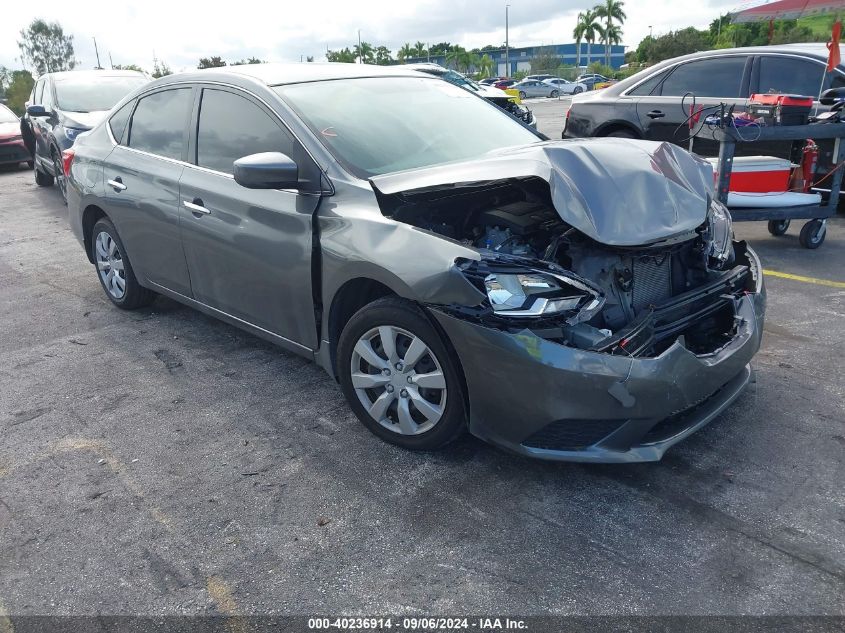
x: 788, y: 10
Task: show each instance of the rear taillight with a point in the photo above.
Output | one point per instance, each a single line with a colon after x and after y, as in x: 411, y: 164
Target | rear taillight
x: 67, y: 159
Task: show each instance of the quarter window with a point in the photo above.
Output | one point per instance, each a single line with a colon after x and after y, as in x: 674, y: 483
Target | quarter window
x: 790, y: 75
x: 718, y: 77
x: 118, y: 121
x: 231, y: 127
x: 158, y: 125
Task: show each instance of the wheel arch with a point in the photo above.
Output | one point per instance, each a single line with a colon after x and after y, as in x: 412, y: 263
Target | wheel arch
x: 618, y: 125
x: 90, y: 216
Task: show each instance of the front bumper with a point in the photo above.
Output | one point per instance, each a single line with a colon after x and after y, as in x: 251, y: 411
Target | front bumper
x: 548, y: 401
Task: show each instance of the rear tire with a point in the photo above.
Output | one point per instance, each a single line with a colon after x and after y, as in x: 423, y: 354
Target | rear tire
x: 555, y: 94
x: 61, y: 181
x: 621, y: 134
x: 30, y: 164
x: 778, y: 227
x: 387, y: 391
x: 114, y: 269
x: 43, y: 179
x: 577, y: 90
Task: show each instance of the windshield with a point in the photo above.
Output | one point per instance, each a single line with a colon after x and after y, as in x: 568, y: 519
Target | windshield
x: 458, y: 79
x: 376, y: 126
x: 92, y: 94
x: 6, y: 115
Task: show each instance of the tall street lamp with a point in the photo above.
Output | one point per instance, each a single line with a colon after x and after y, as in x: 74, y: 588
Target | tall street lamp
x: 507, y: 45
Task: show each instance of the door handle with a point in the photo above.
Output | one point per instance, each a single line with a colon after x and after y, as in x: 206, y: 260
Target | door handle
x: 195, y: 206
x: 656, y: 114
x: 117, y: 184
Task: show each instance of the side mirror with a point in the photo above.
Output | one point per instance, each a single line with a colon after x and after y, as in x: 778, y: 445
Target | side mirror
x: 267, y: 170
x: 37, y: 111
x: 832, y: 96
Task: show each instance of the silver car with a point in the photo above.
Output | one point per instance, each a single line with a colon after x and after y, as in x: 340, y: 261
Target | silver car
x: 535, y: 88
x: 567, y: 300
x: 567, y: 87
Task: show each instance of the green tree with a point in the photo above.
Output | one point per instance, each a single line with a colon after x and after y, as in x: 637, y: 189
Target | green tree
x: 455, y: 56
x: 545, y: 61
x: 421, y: 49
x: 383, y: 56
x: 160, y: 69
x: 45, y: 47
x: 590, y: 29
x: 438, y: 49
x: 405, y: 52
x: 18, y: 90
x: 485, y: 66
x: 345, y: 55
x: 611, y: 11
x: 309, y: 58
x: 673, y: 44
x: 364, y: 52
x: 248, y: 60
x: 211, y: 62
x: 135, y: 67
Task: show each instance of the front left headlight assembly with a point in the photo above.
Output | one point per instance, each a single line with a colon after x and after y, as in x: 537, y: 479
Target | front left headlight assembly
x: 540, y: 294
x: 720, y: 234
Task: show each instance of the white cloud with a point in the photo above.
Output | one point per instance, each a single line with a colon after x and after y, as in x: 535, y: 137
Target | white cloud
x: 181, y: 32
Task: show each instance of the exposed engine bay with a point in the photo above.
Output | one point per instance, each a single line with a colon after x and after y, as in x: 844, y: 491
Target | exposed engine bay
x: 542, y: 274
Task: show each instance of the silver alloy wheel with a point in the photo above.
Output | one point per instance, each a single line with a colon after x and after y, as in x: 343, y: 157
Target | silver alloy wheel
x: 110, y: 265
x: 398, y: 380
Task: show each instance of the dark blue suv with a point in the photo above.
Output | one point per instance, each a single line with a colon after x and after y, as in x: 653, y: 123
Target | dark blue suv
x: 65, y: 104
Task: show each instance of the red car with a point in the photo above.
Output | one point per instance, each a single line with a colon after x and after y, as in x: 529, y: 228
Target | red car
x: 12, y: 148
x: 504, y: 83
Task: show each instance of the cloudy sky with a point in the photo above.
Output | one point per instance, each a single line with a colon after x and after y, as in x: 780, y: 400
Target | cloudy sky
x: 181, y: 32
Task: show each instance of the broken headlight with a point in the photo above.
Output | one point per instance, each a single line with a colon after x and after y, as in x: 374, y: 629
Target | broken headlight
x: 719, y: 234
x: 535, y: 293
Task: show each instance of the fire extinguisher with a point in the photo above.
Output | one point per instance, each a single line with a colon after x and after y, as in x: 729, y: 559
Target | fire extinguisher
x: 809, y: 161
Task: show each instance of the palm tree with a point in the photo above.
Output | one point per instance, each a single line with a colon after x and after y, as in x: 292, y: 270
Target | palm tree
x: 611, y: 11
x: 578, y: 34
x: 364, y: 52
x: 590, y: 28
x: 420, y: 48
x: 611, y: 35
x: 485, y: 66
x: 405, y: 52
x: 455, y: 56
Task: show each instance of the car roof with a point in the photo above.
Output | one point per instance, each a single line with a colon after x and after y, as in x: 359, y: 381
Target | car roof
x: 816, y: 50
x: 92, y: 74
x: 277, y: 74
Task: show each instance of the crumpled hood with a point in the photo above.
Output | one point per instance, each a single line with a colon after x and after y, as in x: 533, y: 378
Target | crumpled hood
x: 620, y: 192
x: 83, y: 120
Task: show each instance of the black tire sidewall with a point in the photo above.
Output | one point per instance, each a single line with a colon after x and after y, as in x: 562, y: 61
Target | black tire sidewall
x: 408, y: 316
x: 135, y: 295
x: 808, y: 235
x: 522, y: 95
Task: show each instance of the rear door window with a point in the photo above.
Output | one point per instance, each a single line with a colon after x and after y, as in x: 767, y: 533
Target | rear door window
x: 716, y: 77
x: 790, y: 75
x: 231, y: 127
x: 159, y: 123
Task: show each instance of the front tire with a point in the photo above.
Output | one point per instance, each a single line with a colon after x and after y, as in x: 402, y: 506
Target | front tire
x: 621, y: 134
x: 521, y: 94
x: 61, y: 181
x: 577, y: 90
x: 114, y: 269
x: 399, y: 377
x: 555, y: 94
x: 43, y: 179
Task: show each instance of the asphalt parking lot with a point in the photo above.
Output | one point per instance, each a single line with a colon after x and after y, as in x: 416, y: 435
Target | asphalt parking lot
x: 161, y: 462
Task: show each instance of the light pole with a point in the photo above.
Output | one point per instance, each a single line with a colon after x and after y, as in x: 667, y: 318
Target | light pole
x: 650, y: 27
x: 507, y: 45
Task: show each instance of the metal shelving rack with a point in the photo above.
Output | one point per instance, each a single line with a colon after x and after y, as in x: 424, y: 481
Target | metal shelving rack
x: 730, y: 137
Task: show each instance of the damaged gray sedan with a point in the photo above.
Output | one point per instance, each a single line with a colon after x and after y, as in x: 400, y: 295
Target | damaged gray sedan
x: 451, y: 268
